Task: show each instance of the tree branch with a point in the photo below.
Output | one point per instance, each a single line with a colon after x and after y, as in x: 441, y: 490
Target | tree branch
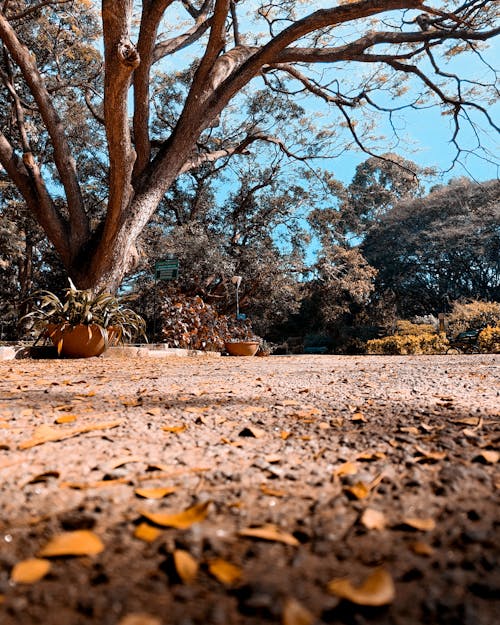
x: 37, y: 7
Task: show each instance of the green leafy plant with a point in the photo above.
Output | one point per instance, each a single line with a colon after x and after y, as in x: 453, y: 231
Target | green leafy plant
x: 83, y: 307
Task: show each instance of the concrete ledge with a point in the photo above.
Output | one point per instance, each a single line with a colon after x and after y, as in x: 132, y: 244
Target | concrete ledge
x: 155, y: 351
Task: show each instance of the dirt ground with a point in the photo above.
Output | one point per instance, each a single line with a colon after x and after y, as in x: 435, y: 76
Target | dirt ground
x: 272, y: 477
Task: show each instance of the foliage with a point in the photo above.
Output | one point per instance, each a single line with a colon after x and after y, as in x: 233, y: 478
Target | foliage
x: 489, y: 339
x: 404, y: 327
x: 425, y: 343
x: 84, y: 307
x: 190, y: 323
x: 470, y: 315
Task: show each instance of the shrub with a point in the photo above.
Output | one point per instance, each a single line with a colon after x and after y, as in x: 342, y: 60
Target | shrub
x: 475, y: 314
x: 191, y: 323
x: 489, y: 339
x: 402, y: 344
x: 404, y: 327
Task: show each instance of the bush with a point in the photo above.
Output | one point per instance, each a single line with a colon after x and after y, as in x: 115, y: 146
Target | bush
x: 402, y: 344
x: 404, y: 327
x: 190, y: 323
x: 475, y: 314
x: 489, y: 339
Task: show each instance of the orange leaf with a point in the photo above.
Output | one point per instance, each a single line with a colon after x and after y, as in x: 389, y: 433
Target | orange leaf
x: 224, y: 571
x: 147, y: 532
x: 348, y: 468
x: 377, y: 589
x: 65, y: 419
x: 269, y: 532
x: 271, y: 491
x: 139, y: 618
x: 155, y: 493
x: 30, y: 571
x: 77, y: 543
x: 185, y: 565
x: 425, y: 525
x: 360, y: 490
x: 422, y: 549
x: 175, y: 429
x: 294, y: 613
x: 180, y: 520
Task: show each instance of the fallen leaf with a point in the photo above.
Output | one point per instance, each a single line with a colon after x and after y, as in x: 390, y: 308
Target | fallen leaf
x: 358, y: 416
x: 269, y: 532
x: 369, y: 456
x: 225, y: 572
x: 421, y: 548
x: 30, y: 571
x: 273, y: 458
x: 77, y: 543
x: 284, y: 435
x: 348, y: 468
x: 360, y: 490
x: 488, y: 456
x: 120, y: 462
x: 68, y: 418
x: 251, y: 430
x: 425, y: 525
x: 411, y: 429
x: 373, y: 519
x: 2, y: 599
x: 272, y: 492
x: 147, y: 532
x: 429, y: 456
x: 175, y: 429
x: 180, y: 520
x: 155, y: 493
x: 185, y: 565
x: 376, y: 590
x: 139, y: 618
x: 46, y: 433
x: 42, y: 477
x: 294, y: 613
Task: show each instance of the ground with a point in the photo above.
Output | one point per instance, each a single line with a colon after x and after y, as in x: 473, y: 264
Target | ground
x: 381, y: 470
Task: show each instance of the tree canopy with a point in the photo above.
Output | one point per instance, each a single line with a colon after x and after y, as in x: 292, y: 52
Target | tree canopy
x: 93, y: 144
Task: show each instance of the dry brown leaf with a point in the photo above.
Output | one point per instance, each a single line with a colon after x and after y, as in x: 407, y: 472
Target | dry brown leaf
x: 294, y: 613
x: 269, y: 532
x: 429, y: 456
x: 360, y: 490
x: 120, y: 462
x: 77, y: 543
x: 185, y: 565
x: 155, y: 493
x: 42, y: 477
x: 376, y: 590
x: 180, y: 520
x: 2, y: 599
x: 147, y: 533
x: 175, y: 429
x: 421, y: 548
x: 489, y: 456
x: 30, y: 571
x: 251, y: 430
x: 68, y: 418
x: 227, y: 441
x: 273, y: 458
x: 139, y: 618
x: 272, y: 492
x: 284, y: 435
x: 97, y: 484
x: 424, y: 525
x: 368, y: 456
x: 225, y: 572
x: 410, y: 429
x: 348, y: 468
x: 46, y: 433
x: 373, y: 519
x: 358, y: 416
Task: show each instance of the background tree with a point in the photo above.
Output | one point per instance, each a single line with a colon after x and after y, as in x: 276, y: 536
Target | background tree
x: 50, y: 66
x: 439, y: 248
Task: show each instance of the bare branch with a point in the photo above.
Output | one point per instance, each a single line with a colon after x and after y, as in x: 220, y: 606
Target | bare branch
x: 37, y: 7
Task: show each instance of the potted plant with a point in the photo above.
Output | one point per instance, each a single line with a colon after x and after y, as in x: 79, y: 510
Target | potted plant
x: 83, y: 324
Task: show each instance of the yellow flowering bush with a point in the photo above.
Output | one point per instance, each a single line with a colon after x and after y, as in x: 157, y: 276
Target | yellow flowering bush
x: 489, y: 339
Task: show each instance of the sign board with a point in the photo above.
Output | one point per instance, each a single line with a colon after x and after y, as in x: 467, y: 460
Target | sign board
x: 167, y: 269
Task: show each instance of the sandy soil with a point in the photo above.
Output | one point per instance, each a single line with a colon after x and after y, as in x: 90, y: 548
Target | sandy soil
x: 366, y: 468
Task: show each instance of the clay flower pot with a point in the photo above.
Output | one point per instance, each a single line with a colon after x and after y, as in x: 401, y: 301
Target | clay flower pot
x: 242, y: 348
x: 81, y: 341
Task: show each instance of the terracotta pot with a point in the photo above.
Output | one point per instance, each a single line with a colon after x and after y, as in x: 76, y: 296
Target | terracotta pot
x: 242, y: 348
x: 80, y: 341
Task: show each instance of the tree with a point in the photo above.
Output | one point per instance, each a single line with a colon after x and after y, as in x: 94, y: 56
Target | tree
x: 48, y: 86
x: 440, y: 248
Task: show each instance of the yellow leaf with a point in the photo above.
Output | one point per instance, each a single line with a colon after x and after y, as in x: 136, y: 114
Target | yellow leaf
x: 175, y: 429
x: 155, y: 493
x: 30, y: 571
x: 360, y: 490
x: 180, y: 520
x: 294, y: 613
x: 425, y: 525
x: 77, y: 543
x: 269, y: 532
x: 373, y: 519
x: 139, y: 618
x: 185, y: 565
x: 224, y: 571
x: 68, y: 418
x: 348, y: 468
x: 377, y: 589
x: 147, y: 532
x: 422, y: 549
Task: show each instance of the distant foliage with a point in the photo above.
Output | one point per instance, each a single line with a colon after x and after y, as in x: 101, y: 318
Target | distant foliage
x: 489, y: 339
x: 475, y: 314
x: 404, y: 327
x: 426, y: 343
x: 191, y: 323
